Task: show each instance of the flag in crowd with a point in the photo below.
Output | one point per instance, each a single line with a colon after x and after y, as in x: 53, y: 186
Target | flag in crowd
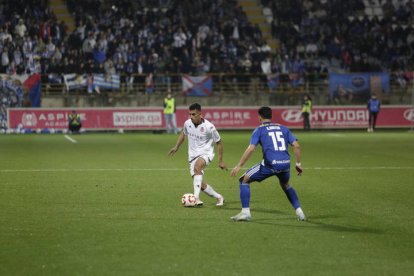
x: 358, y: 85
x: 31, y: 83
x: 99, y: 81
x: 197, y: 86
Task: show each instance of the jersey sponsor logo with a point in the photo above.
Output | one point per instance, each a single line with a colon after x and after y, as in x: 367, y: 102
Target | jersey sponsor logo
x: 195, y: 136
x: 409, y: 115
x: 280, y: 162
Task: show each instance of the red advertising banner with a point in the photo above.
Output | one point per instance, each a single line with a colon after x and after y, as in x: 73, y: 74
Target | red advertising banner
x: 322, y: 117
x: 99, y: 119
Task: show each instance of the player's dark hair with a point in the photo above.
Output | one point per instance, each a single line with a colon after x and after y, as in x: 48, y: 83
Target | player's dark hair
x: 265, y: 112
x: 195, y: 106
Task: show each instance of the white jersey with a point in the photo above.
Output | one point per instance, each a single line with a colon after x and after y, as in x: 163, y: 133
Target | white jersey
x: 201, y: 139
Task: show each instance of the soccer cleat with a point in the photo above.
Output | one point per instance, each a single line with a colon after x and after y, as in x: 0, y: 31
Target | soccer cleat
x: 220, y: 201
x: 198, y: 202
x: 300, y: 214
x: 241, y: 217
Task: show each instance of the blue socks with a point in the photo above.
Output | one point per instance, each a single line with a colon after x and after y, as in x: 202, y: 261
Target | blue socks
x: 293, y: 197
x: 245, y: 195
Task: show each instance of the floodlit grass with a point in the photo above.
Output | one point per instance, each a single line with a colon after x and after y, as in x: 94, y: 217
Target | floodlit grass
x: 110, y: 205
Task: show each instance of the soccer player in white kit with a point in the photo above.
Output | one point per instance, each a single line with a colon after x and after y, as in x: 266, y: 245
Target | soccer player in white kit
x: 202, y: 135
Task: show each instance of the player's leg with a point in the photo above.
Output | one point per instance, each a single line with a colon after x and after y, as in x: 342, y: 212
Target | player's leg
x: 244, y: 186
x: 209, y: 190
x: 197, y: 172
x: 205, y: 187
x: 255, y: 173
x: 290, y: 194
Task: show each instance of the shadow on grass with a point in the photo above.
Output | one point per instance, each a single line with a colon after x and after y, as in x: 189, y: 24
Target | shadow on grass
x: 313, y: 222
x: 310, y: 223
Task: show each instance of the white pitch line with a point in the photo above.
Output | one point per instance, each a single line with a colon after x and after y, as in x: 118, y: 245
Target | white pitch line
x: 336, y: 134
x: 70, y: 139
x: 184, y: 169
x: 361, y: 168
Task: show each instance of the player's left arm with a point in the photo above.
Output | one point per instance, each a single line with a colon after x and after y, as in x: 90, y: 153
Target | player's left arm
x: 220, y: 155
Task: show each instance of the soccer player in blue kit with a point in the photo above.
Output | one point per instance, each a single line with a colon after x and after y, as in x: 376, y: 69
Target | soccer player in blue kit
x: 274, y: 140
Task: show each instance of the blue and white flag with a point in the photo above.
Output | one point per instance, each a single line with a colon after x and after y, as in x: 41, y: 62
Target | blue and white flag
x: 107, y: 81
x: 54, y: 78
x: 197, y: 86
x: 100, y: 81
x: 74, y: 81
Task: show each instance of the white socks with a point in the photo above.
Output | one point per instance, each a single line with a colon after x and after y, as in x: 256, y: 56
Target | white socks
x: 246, y: 211
x: 197, y: 180
x: 210, y: 191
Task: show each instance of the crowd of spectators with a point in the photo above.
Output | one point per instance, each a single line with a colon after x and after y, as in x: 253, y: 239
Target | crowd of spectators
x: 29, y: 32
x: 345, y: 35
x: 204, y: 36
x: 128, y: 37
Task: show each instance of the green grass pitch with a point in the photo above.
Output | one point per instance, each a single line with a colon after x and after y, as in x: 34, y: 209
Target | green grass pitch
x: 110, y: 205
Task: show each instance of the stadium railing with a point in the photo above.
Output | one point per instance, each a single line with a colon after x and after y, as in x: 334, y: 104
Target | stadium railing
x: 226, y: 88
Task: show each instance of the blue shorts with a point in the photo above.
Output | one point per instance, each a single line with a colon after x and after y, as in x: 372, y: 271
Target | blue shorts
x: 259, y: 173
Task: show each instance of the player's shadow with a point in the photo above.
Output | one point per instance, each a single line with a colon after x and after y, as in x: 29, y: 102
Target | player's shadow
x: 311, y: 222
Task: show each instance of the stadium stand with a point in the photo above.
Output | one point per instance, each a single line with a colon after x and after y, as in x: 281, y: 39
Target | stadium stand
x: 167, y: 38
x: 355, y: 35
x: 137, y: 36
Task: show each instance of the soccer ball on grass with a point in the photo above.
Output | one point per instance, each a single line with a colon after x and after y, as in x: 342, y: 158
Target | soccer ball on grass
x: 188, y: 200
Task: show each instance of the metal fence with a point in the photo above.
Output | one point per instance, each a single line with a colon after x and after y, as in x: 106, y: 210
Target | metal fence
x: 228, y: 89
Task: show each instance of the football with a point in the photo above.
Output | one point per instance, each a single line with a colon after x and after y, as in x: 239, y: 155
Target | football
x: 188, y: 200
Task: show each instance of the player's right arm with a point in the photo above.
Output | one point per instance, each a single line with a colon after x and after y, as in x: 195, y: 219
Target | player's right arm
x: 180, y: 140
x: 297, y: 153
x: 246, y: 155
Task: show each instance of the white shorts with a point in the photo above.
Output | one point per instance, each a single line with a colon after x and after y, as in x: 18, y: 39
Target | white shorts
x: 206, y: 157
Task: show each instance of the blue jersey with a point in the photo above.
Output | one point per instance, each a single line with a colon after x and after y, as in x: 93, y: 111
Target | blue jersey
x: 274, y: 140
x: 374, y: 105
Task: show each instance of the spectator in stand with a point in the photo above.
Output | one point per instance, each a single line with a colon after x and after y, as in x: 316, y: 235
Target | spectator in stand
x: 5, y: 60
x: 20, y: 28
